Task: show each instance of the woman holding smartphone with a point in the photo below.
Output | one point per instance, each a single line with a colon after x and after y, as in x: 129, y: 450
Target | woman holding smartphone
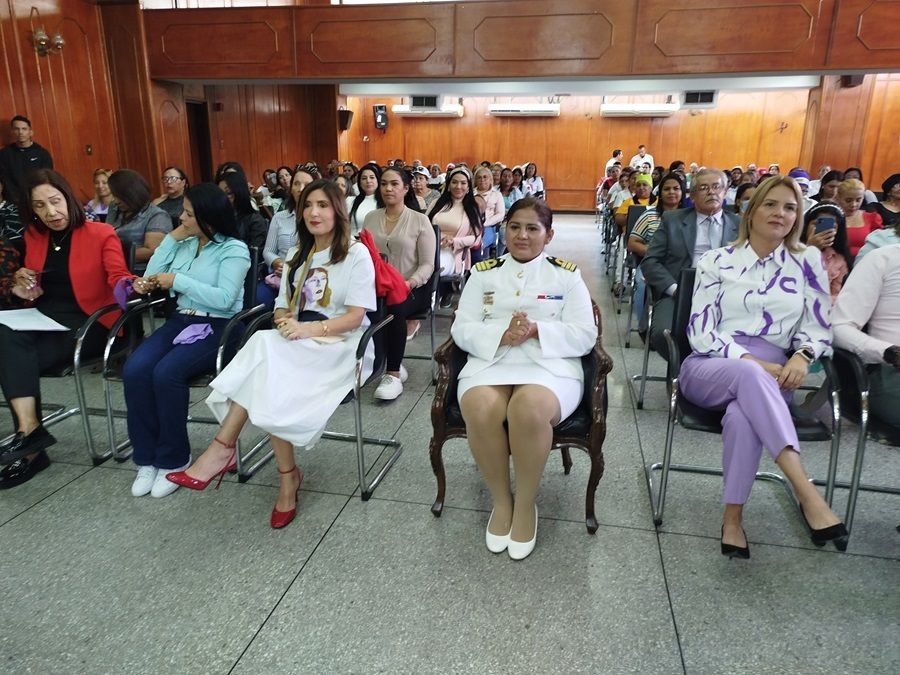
x: 825, y: 228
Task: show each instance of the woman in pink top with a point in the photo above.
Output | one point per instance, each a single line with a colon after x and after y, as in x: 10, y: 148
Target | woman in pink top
x: 459, y: 219
x: 860, y: 224
x: 825, y: 228
x: 494, y: 212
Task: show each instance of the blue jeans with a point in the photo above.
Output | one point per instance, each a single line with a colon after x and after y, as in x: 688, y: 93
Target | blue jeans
x: 156, y: 380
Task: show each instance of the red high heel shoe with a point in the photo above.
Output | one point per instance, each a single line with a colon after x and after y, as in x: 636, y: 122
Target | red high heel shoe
x: 283, y: 518
x: 181, y: 477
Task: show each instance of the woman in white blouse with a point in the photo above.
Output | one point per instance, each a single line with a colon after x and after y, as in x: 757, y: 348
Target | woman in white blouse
x: 754, y: 301
x: 364, y: 202
x: 532, y: 184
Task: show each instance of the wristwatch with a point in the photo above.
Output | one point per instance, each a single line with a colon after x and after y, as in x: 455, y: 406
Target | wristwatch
x: 806, y: 353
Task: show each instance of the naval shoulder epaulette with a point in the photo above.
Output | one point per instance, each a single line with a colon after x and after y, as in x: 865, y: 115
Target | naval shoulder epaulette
x: 490, y: 264
x: 565, y: 264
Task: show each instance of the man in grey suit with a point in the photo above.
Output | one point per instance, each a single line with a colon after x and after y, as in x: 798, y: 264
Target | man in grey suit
x: 682, y: 237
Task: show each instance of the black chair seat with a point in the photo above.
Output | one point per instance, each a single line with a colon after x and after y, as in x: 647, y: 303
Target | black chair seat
x: 694, y: 417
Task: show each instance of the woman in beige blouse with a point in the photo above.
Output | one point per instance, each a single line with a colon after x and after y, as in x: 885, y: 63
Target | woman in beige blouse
x: 493, y: 214
x: 406, y: 237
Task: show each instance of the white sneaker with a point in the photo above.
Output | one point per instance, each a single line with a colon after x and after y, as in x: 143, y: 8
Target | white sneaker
x: 162, y: 486
x: 390, y: 388
x: 143, y: 482
x: 404, y: 376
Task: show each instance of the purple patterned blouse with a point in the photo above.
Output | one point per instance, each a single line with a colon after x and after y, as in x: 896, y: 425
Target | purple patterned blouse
x: 783, y: 298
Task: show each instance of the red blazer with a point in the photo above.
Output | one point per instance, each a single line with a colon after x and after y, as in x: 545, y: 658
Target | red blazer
x: 96, y: 264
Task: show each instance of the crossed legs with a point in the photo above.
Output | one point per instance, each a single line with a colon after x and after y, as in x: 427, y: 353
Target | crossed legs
x: 531, y: 411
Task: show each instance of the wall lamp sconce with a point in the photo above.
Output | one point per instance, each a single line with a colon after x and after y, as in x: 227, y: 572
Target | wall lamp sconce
x: 45, y: 45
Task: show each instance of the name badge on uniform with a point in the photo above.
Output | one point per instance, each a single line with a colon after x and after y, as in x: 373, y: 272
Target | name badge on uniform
x: 545, y: 296
x: 488, y: 298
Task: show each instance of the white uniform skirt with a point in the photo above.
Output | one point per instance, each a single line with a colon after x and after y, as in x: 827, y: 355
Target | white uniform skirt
x: 568, y: 390
x: 290, y: 388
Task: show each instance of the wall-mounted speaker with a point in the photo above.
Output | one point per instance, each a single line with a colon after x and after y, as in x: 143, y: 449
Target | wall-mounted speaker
x: 381, y: 117
x: 345, y: 119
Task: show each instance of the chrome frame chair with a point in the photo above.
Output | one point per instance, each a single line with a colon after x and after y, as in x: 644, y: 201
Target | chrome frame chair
x: 643, y: 378
x: 366, y: 488
x: 854, y: 393
x: 690, y: 416
x: 63, y: 412
x: 429, y: 314
x: 585, y: 428
x: 626, y: 276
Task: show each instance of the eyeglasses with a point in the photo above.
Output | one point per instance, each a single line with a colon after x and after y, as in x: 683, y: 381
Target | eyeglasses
x: 715, y: 187
x: 171, y: 179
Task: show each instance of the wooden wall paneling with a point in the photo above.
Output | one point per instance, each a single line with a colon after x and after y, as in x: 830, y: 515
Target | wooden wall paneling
x: 322, y: 106
x: 841, y: 122
x: 516, y: 39
x: 881, y: 151
x: 728, y: 36
x: 571, y: 150
x: 865, y: 35
x: 126, y: 54
x: 414, y: 40
x: 65, y: 95
x: 171, y: 129
x: 246, y: 43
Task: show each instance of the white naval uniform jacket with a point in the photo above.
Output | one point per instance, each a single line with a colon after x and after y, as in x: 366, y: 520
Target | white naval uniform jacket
x: 550, y: 291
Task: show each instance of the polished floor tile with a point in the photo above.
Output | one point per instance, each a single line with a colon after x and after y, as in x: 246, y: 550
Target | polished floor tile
x: 97, y: 581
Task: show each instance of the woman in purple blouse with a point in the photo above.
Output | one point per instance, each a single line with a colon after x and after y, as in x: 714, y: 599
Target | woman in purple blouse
x: 754, y: 302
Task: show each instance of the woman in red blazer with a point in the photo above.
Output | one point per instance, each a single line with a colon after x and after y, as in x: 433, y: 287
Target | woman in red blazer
x: 71, y: 268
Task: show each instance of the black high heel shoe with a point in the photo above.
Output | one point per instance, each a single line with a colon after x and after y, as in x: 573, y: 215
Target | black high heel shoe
x: 836, y: 533
x: 733, y: 551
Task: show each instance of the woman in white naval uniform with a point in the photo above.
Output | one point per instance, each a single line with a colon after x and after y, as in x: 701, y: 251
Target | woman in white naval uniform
x: 525, y: 319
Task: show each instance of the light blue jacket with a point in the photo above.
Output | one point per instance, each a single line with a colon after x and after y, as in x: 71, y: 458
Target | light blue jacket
x: 212, y: 282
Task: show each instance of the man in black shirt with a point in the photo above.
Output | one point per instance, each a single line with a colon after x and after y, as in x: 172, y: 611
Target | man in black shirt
x: 21, y: 156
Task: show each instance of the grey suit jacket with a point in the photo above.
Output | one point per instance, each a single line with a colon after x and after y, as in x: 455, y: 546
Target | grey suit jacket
x: 672, y: 247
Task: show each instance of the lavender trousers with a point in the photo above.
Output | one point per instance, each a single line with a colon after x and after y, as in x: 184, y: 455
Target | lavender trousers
x: 756, y: 410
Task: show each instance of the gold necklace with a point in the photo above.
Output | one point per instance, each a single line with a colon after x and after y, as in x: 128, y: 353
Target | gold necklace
x: 57, y: 245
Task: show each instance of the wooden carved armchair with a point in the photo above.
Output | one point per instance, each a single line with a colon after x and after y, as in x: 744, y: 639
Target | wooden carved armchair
x: 585, y: 428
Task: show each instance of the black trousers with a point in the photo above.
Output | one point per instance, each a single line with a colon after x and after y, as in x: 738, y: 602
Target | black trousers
x: 25, y: 355
x: 394, y: 333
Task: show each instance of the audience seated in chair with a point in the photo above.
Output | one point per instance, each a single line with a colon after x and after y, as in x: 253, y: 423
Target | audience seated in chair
x: 680, y: 240
x: 741, y: 329
x: 71, y: 268
x: 459, y: 219
x: 288, y: 381
x: 204, y: 264
x: 406, y: 237
x: 138, y: 222
x: 282, y: 236
x: 825, y: 228
x: 525, y: 320
x: 867, y: 323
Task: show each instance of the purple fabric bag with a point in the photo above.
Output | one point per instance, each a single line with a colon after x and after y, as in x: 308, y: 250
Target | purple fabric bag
x: 193, y: 333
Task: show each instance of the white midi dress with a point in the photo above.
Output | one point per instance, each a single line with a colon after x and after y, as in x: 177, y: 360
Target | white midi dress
x: 290, y: 388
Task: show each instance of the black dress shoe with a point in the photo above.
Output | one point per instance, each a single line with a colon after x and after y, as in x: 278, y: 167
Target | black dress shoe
x: 733, y: 551
x: 836, y: 533
x: 21, y: 445
x: 23, y: 470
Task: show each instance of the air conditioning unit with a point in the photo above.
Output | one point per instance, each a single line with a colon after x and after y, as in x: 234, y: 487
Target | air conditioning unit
x: 638, y: 109
x: 699, y: 99
x: 428, y: 106
x: 524, y: 109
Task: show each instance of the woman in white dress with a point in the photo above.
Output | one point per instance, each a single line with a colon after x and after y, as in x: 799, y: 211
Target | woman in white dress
x: 290, y: 380
x: 525, y: 319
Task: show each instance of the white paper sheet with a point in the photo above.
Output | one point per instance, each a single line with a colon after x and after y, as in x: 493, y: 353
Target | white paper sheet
x: 28, y: 319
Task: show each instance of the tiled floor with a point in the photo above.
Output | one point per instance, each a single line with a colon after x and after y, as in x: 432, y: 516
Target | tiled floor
x: 96, y: 581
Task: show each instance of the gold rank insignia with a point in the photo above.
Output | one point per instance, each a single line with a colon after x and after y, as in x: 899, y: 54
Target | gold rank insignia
x: 559, y: 262
x: 489, y: 264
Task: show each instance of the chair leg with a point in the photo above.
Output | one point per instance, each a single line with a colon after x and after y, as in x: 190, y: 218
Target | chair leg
x: 659, y: 502
x: 566, y: 459
x: 858, y: 461
x: 435, y: 448
x: 640, y: 400
x: 597, y: 466
x: 433, y: 348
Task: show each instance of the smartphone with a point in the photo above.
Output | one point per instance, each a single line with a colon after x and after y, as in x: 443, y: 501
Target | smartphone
x: 825, y: 223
